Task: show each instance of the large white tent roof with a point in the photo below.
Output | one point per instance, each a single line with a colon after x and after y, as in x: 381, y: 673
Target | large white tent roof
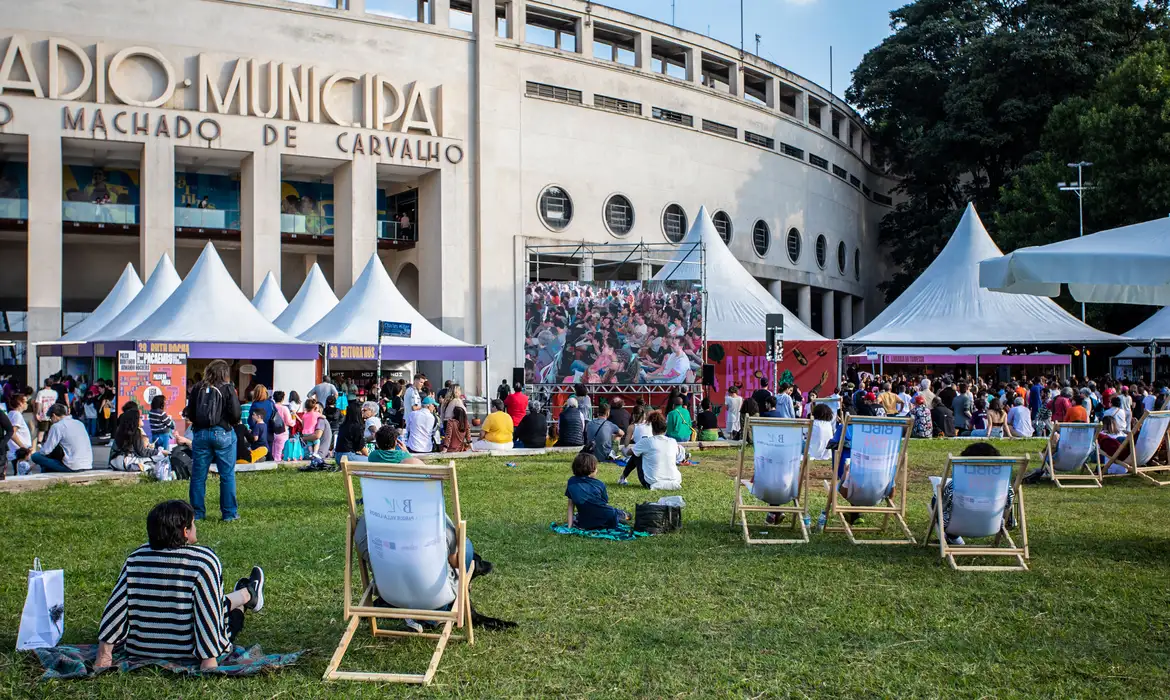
x: 1127, y: 265
x: 1156, y: 327
x: 269, y: 300
x: 373, y: 298
x: 736, y: 302
x: 946, y: 306
x: 161, y: 284
x: 124, y: 291
x: 313, y: 300
x: 208, y: 307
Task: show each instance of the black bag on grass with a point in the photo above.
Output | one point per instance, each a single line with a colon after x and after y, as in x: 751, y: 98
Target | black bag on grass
x: 657, y: 519
x: 181, y: 462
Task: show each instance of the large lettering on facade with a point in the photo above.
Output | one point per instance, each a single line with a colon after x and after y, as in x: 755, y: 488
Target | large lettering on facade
x: 243, y: 85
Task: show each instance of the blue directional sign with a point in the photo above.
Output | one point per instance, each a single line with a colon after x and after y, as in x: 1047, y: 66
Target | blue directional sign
x: 393, y: 329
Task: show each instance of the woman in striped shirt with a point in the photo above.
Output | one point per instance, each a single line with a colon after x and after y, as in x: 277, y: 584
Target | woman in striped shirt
x: 169, y: 603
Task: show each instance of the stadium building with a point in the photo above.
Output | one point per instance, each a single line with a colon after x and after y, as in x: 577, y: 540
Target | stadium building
x: 449, y: 142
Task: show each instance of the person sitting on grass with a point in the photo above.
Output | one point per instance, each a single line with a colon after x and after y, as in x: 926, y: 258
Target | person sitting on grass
x: 655, y: 458
x: 590, y: 497
x: 245, y: 454
x: 496, y: 433
x: 388, y: 451
x: 708, y: 422
x: 169, y: 602
x: 161, y: 424
x: 258, y: 430
x: 678, y: 422
x: 601, y: 433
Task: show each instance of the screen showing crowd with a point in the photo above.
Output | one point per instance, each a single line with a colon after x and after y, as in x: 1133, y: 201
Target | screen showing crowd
x: 613, y: 332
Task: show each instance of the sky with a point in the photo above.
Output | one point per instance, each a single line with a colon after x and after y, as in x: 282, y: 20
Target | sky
x: 794, y: 34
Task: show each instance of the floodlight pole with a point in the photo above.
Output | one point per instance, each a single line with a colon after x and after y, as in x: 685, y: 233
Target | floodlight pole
x: 1079, y: 189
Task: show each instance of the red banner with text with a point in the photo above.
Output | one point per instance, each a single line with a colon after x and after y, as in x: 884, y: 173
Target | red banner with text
x: 809, y: 364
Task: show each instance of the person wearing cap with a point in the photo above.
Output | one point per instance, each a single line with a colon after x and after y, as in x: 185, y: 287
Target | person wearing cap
x: 923, y: 424
x: 421, y: 426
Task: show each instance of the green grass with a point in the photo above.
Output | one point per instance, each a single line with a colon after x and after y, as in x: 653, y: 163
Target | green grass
x: 693, y: 614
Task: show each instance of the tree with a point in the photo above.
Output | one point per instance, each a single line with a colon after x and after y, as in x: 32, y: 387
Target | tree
x: 1123, y: 128
x: 960, y: 93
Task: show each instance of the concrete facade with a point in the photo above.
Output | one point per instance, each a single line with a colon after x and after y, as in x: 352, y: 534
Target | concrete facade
x: 480, y: 121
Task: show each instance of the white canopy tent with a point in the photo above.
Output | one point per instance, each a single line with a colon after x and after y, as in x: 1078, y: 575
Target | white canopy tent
x: 1127, y: 265
x: 158, y: 288
x: 736, y: 302
x: 269, y: 300
x: 313, y: 300
x: 1156, y: 327
x: 124, y: 291
x: 946, y: 306
x: 208, y: 307
x: 374, y: 298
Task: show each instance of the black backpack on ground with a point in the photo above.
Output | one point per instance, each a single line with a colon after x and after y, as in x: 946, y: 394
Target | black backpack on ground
x: 209, y: 405
x: 656, y: 518
x: 182, y: 461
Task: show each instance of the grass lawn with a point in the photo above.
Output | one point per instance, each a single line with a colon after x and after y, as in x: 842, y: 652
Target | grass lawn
x: 693, y: 614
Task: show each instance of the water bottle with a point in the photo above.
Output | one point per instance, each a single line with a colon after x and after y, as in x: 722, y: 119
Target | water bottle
x: 807, y: 520
x: 821, y: 521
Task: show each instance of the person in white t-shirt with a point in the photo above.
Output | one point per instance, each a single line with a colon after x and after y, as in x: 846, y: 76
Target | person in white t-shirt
x: 675, y: 368
x: 656, y: 458
x: 420, y: 427
x: 734, y: 404
x: 1020, y: 419
x: 1115, y: 411
x: 45, y: 398
x: 21, y: 437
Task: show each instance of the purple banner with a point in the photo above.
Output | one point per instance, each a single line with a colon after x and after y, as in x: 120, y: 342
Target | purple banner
x: 406, y: 353
x: 230, y: 351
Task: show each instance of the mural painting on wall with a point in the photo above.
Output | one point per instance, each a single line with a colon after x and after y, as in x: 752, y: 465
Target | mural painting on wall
x: 311, y: 200
x: 809, y: 364
x: 85, y: 183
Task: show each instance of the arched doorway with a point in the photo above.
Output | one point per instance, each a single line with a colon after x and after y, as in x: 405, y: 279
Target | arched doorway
x: 407, y: 283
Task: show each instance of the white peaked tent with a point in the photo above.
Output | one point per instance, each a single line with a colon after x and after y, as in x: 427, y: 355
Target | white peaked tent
x: 314, y: 299
x: 269, y: 300
x: 127, y: 287
x: 1156, y: 327
x: 162, y: 283
x: 374, y: 298
x: 946, y: 306
x: 208, y: 307
x: 736, y: 302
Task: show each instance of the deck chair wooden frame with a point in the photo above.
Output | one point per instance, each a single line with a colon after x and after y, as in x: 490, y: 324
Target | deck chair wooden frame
x: 1130, y: 461
x: 459, y: 616
x: 799, y: 508
x: 895, y: 509
x: 1090, y: 478
x: 1018, y: 552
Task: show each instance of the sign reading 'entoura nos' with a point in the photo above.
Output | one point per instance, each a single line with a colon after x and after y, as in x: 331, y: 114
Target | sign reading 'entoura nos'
x: 243, y: 86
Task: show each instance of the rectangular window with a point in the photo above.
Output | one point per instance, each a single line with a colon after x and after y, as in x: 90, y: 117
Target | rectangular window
x: 667, y: 115
x: 721, y: 129
x: 758, y: 140
x: 840, y: 172
x: 614, y: 104
x: 883, y: 199
x: 790, y: 150
x: 818, y: 161
x: 855, y: 181
x: 865, y: 190
x: 552, y: 92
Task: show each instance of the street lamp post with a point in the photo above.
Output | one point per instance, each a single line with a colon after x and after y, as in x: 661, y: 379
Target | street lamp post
x: 1079, y: 188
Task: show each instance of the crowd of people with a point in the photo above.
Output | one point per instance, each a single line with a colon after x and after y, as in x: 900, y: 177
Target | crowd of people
x: 623, y: 332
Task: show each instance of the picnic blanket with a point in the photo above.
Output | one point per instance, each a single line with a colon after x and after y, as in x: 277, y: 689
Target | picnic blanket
x: 619, y: 533
x: 68, y: 662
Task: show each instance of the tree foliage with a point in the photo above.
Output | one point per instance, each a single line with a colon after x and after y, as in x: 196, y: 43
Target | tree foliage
x: 960, y: 94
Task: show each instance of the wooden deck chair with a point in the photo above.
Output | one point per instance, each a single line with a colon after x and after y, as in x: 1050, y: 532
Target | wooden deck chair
x: 1067, y: 455
x: 1143, y: 442
x: 406, y: 520
x: 874, y: 481
x: 779, y: 475
x: 979, y: 509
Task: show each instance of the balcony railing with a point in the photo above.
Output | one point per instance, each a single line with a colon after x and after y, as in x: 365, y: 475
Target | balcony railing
x: 394, y: 231
x: 307, y: 224
x: 221, y: 219
x: 93, y: 213
x: 13, y: 208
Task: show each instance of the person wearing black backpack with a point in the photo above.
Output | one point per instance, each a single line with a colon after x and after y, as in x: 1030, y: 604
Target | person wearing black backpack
x: 214, y: 410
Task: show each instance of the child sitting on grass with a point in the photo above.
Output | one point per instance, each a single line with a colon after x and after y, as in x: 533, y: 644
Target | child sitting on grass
x: 590, y: 497
x: 23, y: 465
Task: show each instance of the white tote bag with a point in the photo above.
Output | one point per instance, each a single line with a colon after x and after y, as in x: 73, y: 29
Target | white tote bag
x: 43, y: 620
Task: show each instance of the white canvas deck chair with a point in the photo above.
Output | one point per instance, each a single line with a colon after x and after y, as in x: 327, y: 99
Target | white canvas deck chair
x: 406, y: 532
x: 874, y: 481
x: 779, y: 475
x: 1143, y: 443
x: 1067, y: 455
x: 979, y: 499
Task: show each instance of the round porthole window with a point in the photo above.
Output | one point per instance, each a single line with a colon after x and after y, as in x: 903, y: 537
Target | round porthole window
x: 822, y: 251
x: 723, y: 225
x: 841, y: 256
x: 857, y: 264
x: 793, y: 244
x: 674, y: 223
x: 556, y: 208
x: 761, y: 238
x: 619, y: 215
